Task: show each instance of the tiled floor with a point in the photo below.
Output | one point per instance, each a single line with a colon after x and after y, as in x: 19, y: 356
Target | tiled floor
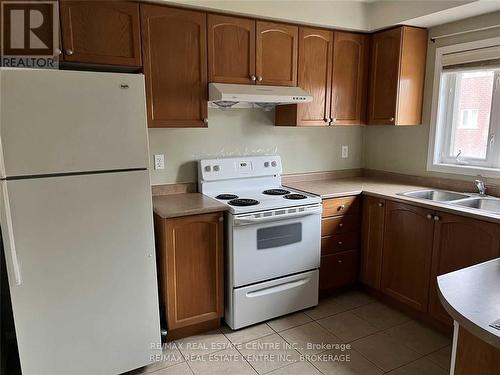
x: 346, y: 335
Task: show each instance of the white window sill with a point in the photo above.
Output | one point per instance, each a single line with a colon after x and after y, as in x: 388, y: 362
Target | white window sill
x: 466, y: 170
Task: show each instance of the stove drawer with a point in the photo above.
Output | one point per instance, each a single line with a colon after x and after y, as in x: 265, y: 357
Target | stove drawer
x: 270, y: 299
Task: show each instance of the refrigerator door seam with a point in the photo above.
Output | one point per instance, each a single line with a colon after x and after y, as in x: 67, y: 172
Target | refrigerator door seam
x: 10, y: 234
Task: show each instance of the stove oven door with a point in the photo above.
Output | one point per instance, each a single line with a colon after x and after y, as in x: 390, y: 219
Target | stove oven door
x: 274, y: 244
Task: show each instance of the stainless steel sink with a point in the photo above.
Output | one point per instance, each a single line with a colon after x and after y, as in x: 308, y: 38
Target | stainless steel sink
x: 489, y: 204
x: 435, y: 195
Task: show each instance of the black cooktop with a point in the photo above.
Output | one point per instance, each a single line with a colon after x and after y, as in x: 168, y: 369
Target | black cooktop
x: 294, y: 196
x: 241, y: 202
x: 276, y: 192
x: 226, y: 196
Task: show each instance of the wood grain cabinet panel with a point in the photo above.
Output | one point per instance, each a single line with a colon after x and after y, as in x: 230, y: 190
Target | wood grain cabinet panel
x: 276, y: 53
x: 338, y: 270
x: 397, y: 76
x: 101, y: 32
x: 340, y: 206
x: 175, y: 66
x: 231, y: 49
x: 315, y: 77
x: 350, y: 78
x: 190, y: 269
x: 406, y: 255
x: 372, y: 240
x: 459, y: 242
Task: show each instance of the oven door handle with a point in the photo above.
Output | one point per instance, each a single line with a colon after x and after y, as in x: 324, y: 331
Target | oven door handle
x: 251, y: 219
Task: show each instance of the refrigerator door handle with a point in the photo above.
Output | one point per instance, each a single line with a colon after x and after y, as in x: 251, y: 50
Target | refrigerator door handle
x: 10, y: 234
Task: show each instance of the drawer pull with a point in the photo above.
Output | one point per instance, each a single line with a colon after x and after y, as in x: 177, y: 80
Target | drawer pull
x: 341, y: 207
x: 340, y: 242
x: 339, y: 261
x: 341, y: 225
x: 380, y: 204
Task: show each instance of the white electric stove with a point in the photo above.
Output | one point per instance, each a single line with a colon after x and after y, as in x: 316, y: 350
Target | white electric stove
x: 274, y: 234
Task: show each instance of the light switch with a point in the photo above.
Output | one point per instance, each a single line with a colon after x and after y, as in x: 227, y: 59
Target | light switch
x: 159, y: 161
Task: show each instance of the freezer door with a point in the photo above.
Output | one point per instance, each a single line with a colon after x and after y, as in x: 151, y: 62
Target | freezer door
x: 54, y: 121
x: 82, y: 274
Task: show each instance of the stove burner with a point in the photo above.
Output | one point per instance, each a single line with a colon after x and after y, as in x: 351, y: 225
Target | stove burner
x: 226, y: 196
x: 295, y: 196
x: 276, y: 192
x: 243, y: 202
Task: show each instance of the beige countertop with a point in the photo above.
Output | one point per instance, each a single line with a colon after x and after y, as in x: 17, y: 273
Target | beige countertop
x: 472, y: 297
x: 383, y: 189
x: 175, y: 205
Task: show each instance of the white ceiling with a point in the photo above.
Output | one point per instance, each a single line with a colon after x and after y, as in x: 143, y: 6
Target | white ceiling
x: 361, y: 15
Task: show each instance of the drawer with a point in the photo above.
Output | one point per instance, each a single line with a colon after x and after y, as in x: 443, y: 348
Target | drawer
x: 339, y: 242
x: 339, y: 224
x: 340, y: 206
x: 338, y: 269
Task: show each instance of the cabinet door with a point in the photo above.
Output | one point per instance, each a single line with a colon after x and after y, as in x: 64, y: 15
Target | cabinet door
x: 459, y: 242
x: 175, y: 66
x: 384, y: 76
x: 231, y: 49
x: 194, y: 248
x: 315, y: 75
x: 101, y: 32
x: 350, y: 74
x: 276, y: 54
x: 338, y: 269
x: 406, y: 254
x: 372, y: 241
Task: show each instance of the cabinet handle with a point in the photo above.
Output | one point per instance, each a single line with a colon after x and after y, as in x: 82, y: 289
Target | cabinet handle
x: 429, y: 216
x: 436, y: 218
x: 340, y: 242
x: 68, y: 52
x: 391, y: 119
x: 380, y: 204
x: 58, y: 51
x: 341, y: 207
x: 221, y: 219
x: 339, y: 261
x: 205, y: 120
x: 259, y: 78
x: 327, y: 120
x: 334, y: 119
x: 341, y: 225
x: 254, y: 78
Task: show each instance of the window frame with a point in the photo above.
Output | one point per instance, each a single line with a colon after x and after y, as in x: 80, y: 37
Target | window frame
x: 433, y: 157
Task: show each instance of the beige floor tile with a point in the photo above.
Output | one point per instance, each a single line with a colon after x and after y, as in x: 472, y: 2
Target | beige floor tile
x: 298, y: 368
x: 348, y: 362
x: 310, y: 338
x: 289, y: 321
x: 385, y: 351
x: 441, y: 357
x: 224, y: 362
x: 380, y: 315
x: 179, y: 369
x: 419, y: 367
x: 418, y: 337
x: 204, y: 343
x: 268, y: 353
x: 347, y: 326
x: 247, y: 334
x: 338, y: 304
x: 170, y: 356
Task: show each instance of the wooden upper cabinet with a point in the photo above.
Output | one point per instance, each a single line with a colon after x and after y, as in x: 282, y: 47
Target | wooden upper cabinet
x: 314, y: 76
x: 175, y: 66
x: 372, y: 241
x: 350, y: 78
x: 276, y: 53
x: 397, y: 73
x: 231, y: 49
x: 406, y: 254
x: 101, y: 32
x: 459, y: 242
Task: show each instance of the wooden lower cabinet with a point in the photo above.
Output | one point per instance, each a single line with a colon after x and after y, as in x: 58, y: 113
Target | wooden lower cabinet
x: 406, y: 255
x: 338, y: 269
x: 372, y: 240
x: 459, y: 242
x: 190, y: 272
x: 475, y: 356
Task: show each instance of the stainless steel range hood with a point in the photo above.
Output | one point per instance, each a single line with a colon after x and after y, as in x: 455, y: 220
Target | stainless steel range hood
x: 224, y: 95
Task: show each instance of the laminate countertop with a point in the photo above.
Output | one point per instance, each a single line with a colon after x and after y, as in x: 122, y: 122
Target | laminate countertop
x: 472, y: 297
x: 386, y: 190
x: 175, y: 205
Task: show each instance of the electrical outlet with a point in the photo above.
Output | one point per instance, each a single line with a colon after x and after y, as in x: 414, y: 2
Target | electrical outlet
x: 159, y: 161
x: 345, y: 152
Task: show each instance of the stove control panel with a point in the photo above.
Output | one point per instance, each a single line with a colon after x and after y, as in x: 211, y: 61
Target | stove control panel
x: 233, y: 168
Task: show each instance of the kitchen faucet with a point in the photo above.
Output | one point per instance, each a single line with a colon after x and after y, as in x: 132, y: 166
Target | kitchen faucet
x: 480, y: 187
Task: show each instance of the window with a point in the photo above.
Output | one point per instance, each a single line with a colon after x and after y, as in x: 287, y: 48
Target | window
x: 467, y: 113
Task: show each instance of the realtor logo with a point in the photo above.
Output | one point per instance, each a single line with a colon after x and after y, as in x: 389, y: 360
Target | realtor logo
x: 30, y: 34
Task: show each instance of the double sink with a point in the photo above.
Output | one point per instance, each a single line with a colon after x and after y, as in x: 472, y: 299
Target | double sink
x: 474, y: 201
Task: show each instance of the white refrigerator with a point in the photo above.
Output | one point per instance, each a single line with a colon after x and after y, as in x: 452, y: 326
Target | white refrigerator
x: 76, y: 220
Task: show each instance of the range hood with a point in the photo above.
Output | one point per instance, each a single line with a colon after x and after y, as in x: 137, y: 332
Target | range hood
x: 225, y: 95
